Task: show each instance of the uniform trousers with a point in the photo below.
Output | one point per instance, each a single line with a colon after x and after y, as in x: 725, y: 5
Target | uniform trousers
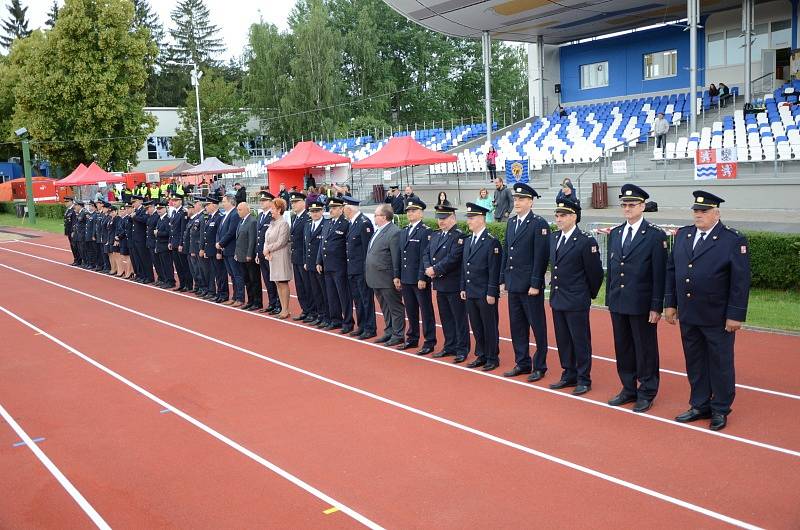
x: 235, y: 272
x: 167, y: 273
x: 526, y: 313
x: 453, y: 315
x: 709, y: 364
x: 182, y: 268
x: 272, y: 289
x: 302, y: 287
x: 574, y: 339
x: 219, y: 279
x: 196, y: 270
x: 321, y: 296
x: 636, y: 344
x: 364, y: 301
x: 252, y: 282
x: 340, y: 304
x: 419, y: 303
x: 483, y: 319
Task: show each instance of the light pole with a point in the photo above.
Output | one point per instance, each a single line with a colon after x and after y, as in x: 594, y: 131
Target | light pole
x: 22, y: 134
x: 196, y: 75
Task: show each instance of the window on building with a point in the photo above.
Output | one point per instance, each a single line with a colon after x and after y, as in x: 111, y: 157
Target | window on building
x: 594, y: 75
x: 781, y: 34
x: 716, y: 49
x: 159, y: 147
x: 661, y: 64
x: 760, y: 41
x: 734, y: 47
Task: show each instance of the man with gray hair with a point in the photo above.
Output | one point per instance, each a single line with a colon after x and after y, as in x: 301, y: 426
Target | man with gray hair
x: 245, y: 254
x: 383, y: 257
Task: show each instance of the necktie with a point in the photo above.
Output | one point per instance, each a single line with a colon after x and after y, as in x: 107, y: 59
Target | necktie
x: 698, y: 243
x: 474, y: 240
x: 560, y: 245
x: 626, y: 245
x: 519, y: 223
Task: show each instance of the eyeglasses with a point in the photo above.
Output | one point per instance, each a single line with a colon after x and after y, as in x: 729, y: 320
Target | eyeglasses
x: 629, y: 204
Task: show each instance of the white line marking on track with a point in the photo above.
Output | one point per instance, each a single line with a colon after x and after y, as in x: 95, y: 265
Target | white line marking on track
x: 197, y: 423
x: 439, y: 419
x: 505, y: 339
x: 76, y: 495
x: 621, y: 410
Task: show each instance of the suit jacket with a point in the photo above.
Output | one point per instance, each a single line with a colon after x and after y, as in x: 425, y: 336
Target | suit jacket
x: 313, y: 242
x: 195, y: 228
x: 577, y: 272
x: 89, y: 226
x: 712, y: 283
x: 297, y: 237
x: 226, y: 234
x: 79, y: 228
x: 526, y: 253
x: 481, y: 263
x: 358, y: 237
x: 262, y: 223
x: 246, y: 239
x: 139, y: 219
x: 635, y: 282
x: 444, y: 253
x: 412, y: 244
x: 383, y: 257
x: 177, y: 227
x: 69, y: 221
x: 163, y: 234
x: 332, y: 253
x: 210, y: 231
x: 277, y: 242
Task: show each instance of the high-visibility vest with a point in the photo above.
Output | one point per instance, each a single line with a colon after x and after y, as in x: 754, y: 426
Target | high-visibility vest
x: 179, y: 190
x: 164, y: 188
x: 154, y: 193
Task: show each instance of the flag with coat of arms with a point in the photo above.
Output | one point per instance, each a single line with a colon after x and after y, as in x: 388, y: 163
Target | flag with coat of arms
x: 715, y: 164
x: 516, y: 171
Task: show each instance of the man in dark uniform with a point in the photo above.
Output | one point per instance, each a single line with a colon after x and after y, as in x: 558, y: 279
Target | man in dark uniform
x: 217, y: 277
x: 101, y: 232
x: 396, y: 200
x: 318, y: 315
x: 707, y: 290
x: 193, y: 244
x: 79, y: 232
x: 177, y: 228
x: 264, y: 219
x: 410, y: 278
x: 90, y: 238
x: 332, y: 262
x: 143, y: 265
x: 576, y: 278
x: 358, y: 236
x: 442, y: 265
x: 226, y: 247
x: 637, y: 262
x: 302, y: 281
x: 526, y: 253
x: 163, y: 253
x: 152, y: 223
x: 70, y: 216
x: 480, y: 287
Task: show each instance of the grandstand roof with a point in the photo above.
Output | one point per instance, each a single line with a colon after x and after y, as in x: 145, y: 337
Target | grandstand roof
x: 306, y: 155
x: 403, y: 151
x: 557, y: 21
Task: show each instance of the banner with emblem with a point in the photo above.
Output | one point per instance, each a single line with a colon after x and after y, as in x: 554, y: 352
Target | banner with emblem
x: 516, y: 171
x: 715, y: 164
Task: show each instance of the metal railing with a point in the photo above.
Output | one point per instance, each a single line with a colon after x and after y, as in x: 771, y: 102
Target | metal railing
x: 762, y: 85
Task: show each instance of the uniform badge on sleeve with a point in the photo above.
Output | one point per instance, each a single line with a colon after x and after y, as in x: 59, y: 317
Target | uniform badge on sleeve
x: 369, y: 230
x: 497, y: 251
x: 665, y: 243
x: 744, y: 249
x: 594, y: 249
x: 460, y: 241
x: 544, y: 231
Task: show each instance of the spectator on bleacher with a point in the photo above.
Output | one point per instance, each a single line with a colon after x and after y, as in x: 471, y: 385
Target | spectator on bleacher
x: 660, y: 129
x: 241, y: 193
x: 310, y: 181
x: 485, y: 201
x: 491, y: 163
x: 442, y: 199
x: 724, y: 94
x: 503, y: 201
x: 311, y: 195
x: 396, y: 200
x: 408, y: 193
x: 562, y: 113
x: 567, y: 191
x: 713, y: 91
x: 283, y: 193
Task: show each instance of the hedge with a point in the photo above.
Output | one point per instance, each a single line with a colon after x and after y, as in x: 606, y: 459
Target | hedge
x: 45, y: 211
x: 774, y: 257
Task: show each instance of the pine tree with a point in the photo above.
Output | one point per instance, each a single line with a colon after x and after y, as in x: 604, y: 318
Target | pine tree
x: 144, y: 17
x: 16, y: 26
x: 52, y: 15
x: 195, y: 35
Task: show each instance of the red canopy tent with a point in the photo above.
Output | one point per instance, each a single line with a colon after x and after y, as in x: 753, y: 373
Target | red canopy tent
x: 292, y: 169
x: 89, y: 176
x: 403, y: 151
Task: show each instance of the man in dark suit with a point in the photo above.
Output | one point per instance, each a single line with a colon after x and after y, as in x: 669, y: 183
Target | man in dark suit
x: 226, y: 244
x: 526, y: 253
x: 152, y: 223
x: 707, y: 289
x: 319, y: 315
x: 383, y: 257
x: 79, y: 232
x: 358, y: 237
x: 480, y: 287
x: 576, y: 278
x: 264, y: 219
x: 143, y: 264
x: 177, y: 228
x: 89, y: 237
x: 163, y: 253
x: 396, y: 200
x: 241, y: 193
x: 217, y: 276
x: 302, y: 281
x: 413, y: 284
x: 332, y: 262
x: 69, y: 222
x: 245, y: 254
x: 442, y: 265
x: 193, y: 244
x: 637, y: 262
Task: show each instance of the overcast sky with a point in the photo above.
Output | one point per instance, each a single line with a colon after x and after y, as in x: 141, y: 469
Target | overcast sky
x: 232, y: 16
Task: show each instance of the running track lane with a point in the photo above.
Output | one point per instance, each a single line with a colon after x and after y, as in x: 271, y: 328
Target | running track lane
x: 590, y: 442
x: 763, y: 359
x: 139, y: 467
x: 771, y: 421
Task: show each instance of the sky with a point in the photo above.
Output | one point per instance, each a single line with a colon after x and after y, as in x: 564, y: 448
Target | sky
x: 232, y: 16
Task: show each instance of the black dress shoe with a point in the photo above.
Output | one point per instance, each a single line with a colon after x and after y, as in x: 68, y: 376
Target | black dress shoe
x: 256, y: 307
x: 581, y: 389
x: 385, y: 338
x: 275, y: 311
x: 621, y: 399
x: 394, y: 342
x: 301, y: 316
x: 642, y: 405
x: 476, y: 363
x: 406, y: 346
x: 535, y: 376
x: 309, y: 319
x: 514, y: 372
x: 459, y: 359
x: 326, y: 327
x: 247, y: 307
x: 357, y: 333
x: 346, y: 331
x: 693, y: 414
x: 443, y: 354
x: 270, y: 308
x: 488, y: 367
x: 367, y: 336
x: 335, y: 326
x: 563, y: 384
x: 425, y: 350
x: 718, y: 422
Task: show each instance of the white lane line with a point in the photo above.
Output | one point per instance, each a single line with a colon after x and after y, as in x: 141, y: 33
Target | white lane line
x: 505, y: 339
x: 73, y: 492
x: 621, y: 410
x: 502, y: 441
x: 200, y: 425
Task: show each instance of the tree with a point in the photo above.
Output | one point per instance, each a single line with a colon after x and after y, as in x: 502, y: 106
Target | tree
x: 195, y: 36
x: 267, y: 60
x: 80, y: 89
x: 52, y: 15
x: 144, y: 17
x: 16, y: 26
x: 223, y: 122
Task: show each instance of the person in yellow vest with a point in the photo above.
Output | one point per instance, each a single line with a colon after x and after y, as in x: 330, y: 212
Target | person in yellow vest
x: 179, y: 189
x: 154, y: 191
x: 163, y: 188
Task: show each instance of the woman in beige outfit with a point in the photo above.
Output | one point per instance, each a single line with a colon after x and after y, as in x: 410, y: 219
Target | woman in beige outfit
x: 276, y: 250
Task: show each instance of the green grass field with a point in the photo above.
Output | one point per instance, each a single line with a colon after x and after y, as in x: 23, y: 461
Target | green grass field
x: 55, y: 226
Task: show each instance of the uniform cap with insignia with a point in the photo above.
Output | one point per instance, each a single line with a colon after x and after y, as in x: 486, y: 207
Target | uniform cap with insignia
x: 566, y: 205
x: 523, y: 190
x: 212, y: 200
x: 149, y: 203
x: 137, y: 198
x: 443, y: 212
x: 476, y: 209
x: 704, y: 200
x: 161, y: 204
x: 176, y: 197
x: 70, y: 199
x: 394, y: 187
x: 316, y: 206
x: 352, y: 201
x: 335, y: 201
x: 632, y: 193
x: 415, y: 203
x: 79, y: 203
x: 297, y: 196
x: 112, y: 207
x: 266, y: 196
